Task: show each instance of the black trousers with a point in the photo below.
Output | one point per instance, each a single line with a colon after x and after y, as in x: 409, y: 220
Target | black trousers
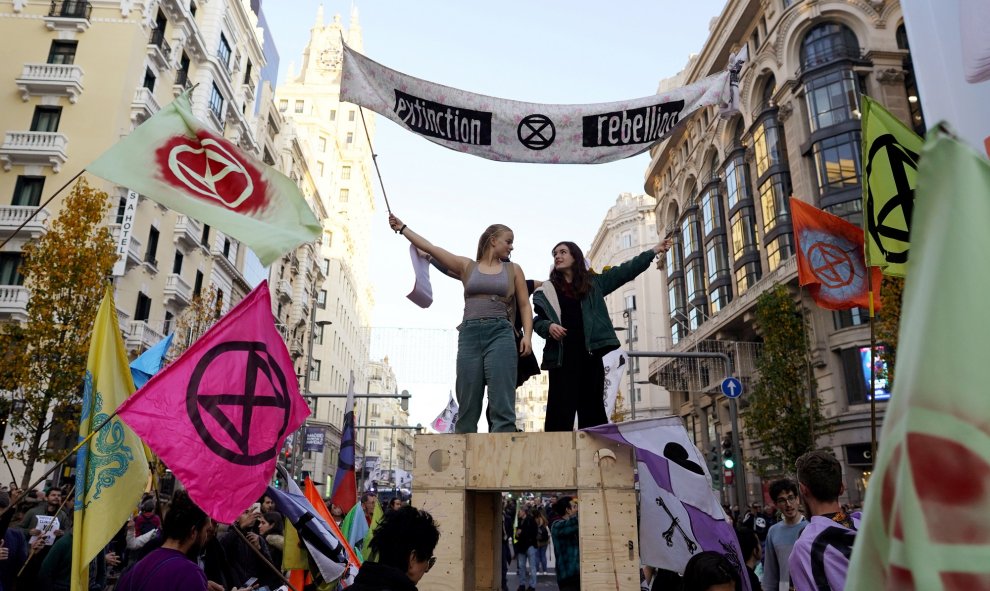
x: 576, y: 387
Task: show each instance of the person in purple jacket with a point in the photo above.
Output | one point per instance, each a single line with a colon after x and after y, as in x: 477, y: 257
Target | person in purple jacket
x: 820, y: 558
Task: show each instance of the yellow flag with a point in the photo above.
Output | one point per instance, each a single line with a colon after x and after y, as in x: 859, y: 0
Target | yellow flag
x: 293, y: 554
x: 376, y: 518
x: 111, y: 468
x: 890, y: 166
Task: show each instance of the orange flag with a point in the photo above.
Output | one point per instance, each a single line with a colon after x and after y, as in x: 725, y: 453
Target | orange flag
x: 830, y: 259
x: 313, y: 496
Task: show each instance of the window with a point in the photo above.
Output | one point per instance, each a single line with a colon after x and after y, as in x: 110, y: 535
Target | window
x: 711, y: 211
x: 321, y: 299
x: 851, y: 317
x: 143, y: 307
x: 323, y: 144
x: 345, y: 173
x: 149, y: 80
x: 216, y: 102
x: 333, y: 114
x: 182, y: 76
x: 152, y: 250
x: 46, y: 119
x: 768, y: 146
x: 223, y: 52
x: 204, y: 239
x: 219, y: 303
x: 325, y: 266
x: 10, y: 268
x: 226, y: 247
x: 177, y: 263
x: 299, y: 106
x: 121, y: 209
x: 314, y: 370
x: 774, y: 194
x: 167, y: 327
x: 283, y: 105
x: 319, y: 168
x: 318, y: 334
x: 674, y: 261
x: 192, y: 9
x: 717, y: 255
x: 198, y: 284
x: 780, y: 249
x: 747, y: 276
x: 678, y: 306
x: 350, y: 115
x: 694, y: 280
x: 27, y: 191
x: 344, y: 195
x: 838, y: 162
x: 350, y: 138
x: 247, y: 73
x: 743, y: 233
x: 690, y: 234
x: 62, y: 52
x: 826, y: 43
x: 911, y: 84
x: 832, y: 98
x: 736, y: 181
x: 719, y: 298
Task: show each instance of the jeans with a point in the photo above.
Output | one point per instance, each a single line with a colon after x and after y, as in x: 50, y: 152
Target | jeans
x: 486, y: 356
x: 541, y: 559
x: 527, y: 576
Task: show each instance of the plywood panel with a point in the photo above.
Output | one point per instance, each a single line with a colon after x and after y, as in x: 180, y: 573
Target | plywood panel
x: 520, y: 461
x: 439, y: 461
x: 447, y: 508
x: 485, y: 545
x: 616, y: 474
x: 607, y: 528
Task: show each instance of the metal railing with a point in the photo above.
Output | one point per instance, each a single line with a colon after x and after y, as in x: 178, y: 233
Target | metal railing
x: 71, y: 9
x: 833, y: 54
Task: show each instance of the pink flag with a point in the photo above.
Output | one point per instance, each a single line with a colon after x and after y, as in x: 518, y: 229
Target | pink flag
x: 218, y: 415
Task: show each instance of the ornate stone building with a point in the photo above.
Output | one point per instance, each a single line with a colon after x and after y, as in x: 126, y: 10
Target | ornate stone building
x: 722, y: 189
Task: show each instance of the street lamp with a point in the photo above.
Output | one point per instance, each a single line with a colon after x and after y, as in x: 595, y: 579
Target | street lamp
x: 627, y: 314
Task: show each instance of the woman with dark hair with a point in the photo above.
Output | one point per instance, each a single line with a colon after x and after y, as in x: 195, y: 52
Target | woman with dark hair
x: 270, y: 527
x: 486, y: 346
x: 401, y: 552
x: 571, y: 315
x: 711, y: 571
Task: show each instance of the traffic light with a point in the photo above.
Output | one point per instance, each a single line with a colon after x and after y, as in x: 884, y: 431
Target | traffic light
x: 728, y: 458
x: 714, y: 466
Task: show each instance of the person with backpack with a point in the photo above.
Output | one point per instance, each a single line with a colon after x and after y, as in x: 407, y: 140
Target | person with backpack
x: 486, y: 349
x: 571, y: 315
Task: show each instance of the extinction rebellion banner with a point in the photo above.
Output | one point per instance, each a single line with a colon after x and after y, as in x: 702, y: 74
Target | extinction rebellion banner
x: 514, y: 131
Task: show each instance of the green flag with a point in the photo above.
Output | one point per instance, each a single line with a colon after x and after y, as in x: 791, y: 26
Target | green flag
x: 926, y: 522
x: 175, y: 160
x: 890, y: 163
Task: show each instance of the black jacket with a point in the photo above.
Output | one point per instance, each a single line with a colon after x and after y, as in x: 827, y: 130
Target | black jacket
x: 375, y: 576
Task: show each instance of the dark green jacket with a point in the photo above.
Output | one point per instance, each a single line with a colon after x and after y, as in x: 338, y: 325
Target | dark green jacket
x: 598, y: 330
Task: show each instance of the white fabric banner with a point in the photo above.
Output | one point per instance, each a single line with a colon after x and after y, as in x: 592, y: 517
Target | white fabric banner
x: 514, y: 131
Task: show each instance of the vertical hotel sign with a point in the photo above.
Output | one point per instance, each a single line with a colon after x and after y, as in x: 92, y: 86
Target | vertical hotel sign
x: 126, y: 229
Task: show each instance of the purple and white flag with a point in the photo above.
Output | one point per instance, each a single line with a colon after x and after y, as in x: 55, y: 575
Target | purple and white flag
x: 514, y: 131
x: 447, y: 419
x: 679, y: 514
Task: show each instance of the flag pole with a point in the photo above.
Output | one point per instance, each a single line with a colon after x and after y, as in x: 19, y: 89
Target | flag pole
x: 40, y: 207
x: 263, y: 557
x: 807, y: 364
x: 873, y: 377
x: 48, y: 527
x: 13, y: 478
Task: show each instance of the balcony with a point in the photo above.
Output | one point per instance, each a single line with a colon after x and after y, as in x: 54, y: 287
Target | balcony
x: 177, y: 290
x: 284, y: 290
x: 69, y: 15
x: 13, y: 302
x: 182, y: 82
x: 33, y: 148
x: 187, y: 232
x: 50, y: 80
x: 296, y: 349
x: 12, y: 216
x: 144, y: 106
x: 159, y: 50
x: 123, y: 320
x: 141, y: 336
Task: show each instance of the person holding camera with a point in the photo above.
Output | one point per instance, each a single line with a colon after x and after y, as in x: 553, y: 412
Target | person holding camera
x: 244, y: 563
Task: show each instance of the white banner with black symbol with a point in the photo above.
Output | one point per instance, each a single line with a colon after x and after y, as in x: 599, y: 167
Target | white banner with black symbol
x: 514, y: 131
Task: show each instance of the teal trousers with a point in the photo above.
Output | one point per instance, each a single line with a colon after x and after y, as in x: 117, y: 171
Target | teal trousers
x: 486, y: 356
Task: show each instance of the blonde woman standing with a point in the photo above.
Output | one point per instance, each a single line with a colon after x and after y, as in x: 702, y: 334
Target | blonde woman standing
x: 486, y: 349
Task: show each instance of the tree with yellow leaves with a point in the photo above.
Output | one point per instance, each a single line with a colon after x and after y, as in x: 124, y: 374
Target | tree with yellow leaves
x: 202, y: 313
x: 65, y: 272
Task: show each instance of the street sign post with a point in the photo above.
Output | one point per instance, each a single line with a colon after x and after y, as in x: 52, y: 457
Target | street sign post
x: 732, y: 387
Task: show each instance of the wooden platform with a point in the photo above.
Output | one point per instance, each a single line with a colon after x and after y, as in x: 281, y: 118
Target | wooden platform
x: 459, y: 480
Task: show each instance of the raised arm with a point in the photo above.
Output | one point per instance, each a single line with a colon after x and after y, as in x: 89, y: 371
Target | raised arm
x: 525, y: 312
x: 456, y: 264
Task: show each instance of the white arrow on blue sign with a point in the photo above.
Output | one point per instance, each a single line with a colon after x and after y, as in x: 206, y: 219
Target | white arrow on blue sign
x: 732, y: 388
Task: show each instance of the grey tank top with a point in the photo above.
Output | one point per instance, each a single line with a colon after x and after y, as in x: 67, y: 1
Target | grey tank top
x: 482, y: 292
